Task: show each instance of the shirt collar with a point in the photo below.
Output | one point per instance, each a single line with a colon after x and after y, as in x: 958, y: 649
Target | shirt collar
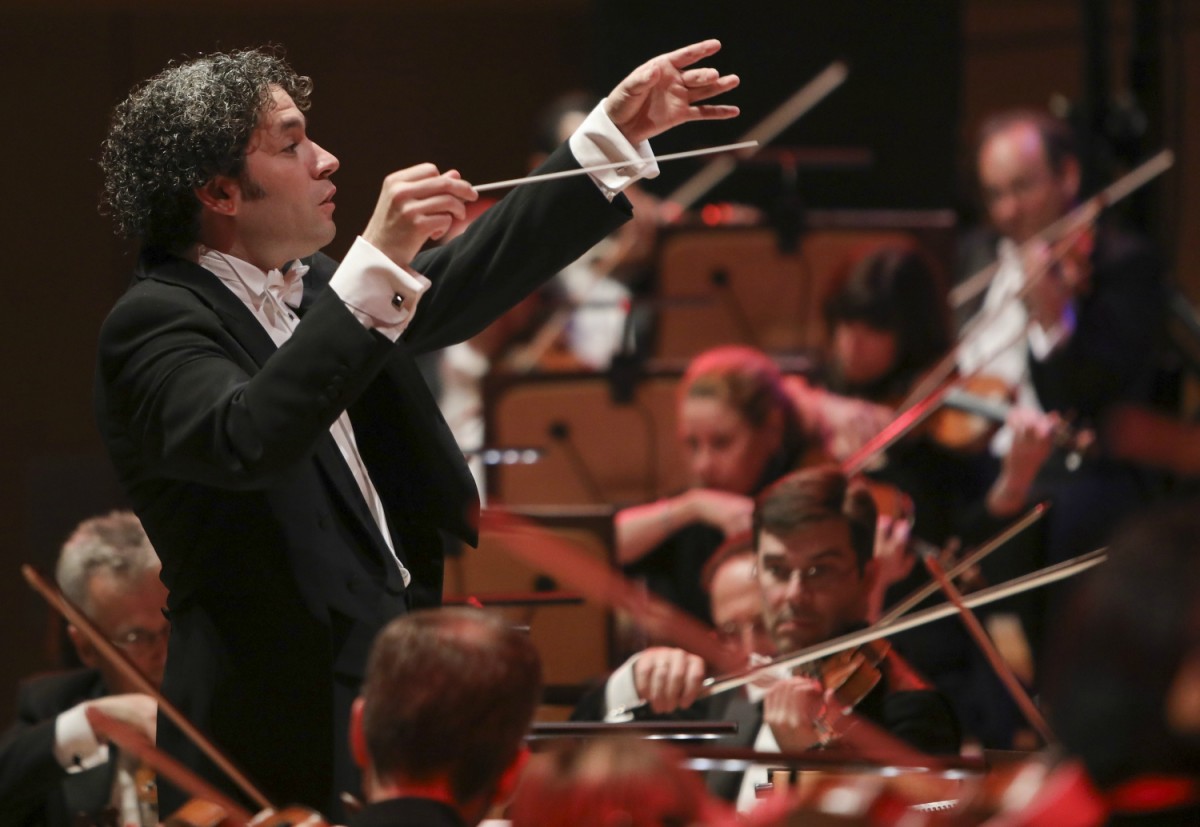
x: 251, y: 284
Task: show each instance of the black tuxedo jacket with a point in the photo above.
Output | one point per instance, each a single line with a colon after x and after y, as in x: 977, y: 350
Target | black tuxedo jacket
x: 34, y: 788
x: 278, y: 576
x: 1119, y: 326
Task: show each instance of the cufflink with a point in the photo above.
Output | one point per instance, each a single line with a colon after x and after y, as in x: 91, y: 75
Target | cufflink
x: 397, y: 300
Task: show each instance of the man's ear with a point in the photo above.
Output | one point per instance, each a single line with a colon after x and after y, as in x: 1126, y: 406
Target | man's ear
x: 358, y: 738
x: 507, y: 785
x: 83, y: 647
x: 221, y: 194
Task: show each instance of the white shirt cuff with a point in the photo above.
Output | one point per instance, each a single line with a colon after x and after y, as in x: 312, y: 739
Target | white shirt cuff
x: 620, y: 692
x: 598, y: 141
x: 380, y: 293
x: 75, y: 745
x: 1043, y: 342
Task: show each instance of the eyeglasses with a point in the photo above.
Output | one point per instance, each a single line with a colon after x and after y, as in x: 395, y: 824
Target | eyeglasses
x: 142, y: 641
x: 818, y: 577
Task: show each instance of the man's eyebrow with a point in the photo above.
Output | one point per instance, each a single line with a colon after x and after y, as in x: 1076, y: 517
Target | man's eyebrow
x: 833, y: 552
x: 292, y: 122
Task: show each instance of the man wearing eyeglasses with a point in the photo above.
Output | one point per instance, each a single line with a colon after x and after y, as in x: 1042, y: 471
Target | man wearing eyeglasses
x: 53, y: 769
x: 814, y: 534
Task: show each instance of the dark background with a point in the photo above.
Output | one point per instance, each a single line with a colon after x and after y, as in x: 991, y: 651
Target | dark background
x: 457, y: 83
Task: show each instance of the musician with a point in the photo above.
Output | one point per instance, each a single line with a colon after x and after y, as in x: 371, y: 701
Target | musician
x: 1083, y: 340
x: 738, y: 431
x: 53, y: 768
x: 815, y: 534
x: 886, y: 321
x: 440, y: 726
x: 729, y: 579
x: 267, y: 418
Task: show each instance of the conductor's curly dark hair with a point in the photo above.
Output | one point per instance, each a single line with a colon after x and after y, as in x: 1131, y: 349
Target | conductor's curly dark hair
x: 178, y: 130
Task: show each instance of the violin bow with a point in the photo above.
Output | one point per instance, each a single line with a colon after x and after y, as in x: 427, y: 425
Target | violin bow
x: 902, y: 607
x: 1003, y: 671
x: 1009, y: 588
x: 1114, y: 192
x: 120, y: 661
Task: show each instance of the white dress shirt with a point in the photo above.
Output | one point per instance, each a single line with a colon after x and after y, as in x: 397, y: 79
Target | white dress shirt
x: 1003, y: 346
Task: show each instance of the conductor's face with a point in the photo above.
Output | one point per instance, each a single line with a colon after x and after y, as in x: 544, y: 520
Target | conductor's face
x: 285, y: 204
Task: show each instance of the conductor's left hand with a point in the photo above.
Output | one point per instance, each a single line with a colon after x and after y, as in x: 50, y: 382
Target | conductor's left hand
x: 663, y: 93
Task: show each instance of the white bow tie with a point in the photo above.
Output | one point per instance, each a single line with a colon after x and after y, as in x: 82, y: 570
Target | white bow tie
x: 288, y: 287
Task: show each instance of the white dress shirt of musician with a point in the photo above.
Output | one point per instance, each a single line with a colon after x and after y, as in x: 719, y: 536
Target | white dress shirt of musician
x: 1028, y: 178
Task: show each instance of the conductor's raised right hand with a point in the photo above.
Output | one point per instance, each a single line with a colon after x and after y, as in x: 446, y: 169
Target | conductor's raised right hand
x: 415, y: 205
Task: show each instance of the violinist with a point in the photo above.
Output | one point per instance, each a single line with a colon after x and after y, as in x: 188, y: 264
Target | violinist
x: 54, y: 771
x: 887, y: 325
x: 1084, y: 340
x: 440, y: 726
x: 815, y: 535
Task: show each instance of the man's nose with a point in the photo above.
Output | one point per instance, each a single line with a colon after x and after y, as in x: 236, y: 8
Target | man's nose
x: 327, y: 162
x: 797, y: 590
x: 1005, y: 208
x: 749, y: 637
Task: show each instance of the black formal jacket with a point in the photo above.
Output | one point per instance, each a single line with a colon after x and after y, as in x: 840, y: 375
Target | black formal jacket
x: 34, y: 788
x: 278, y: 576
x: 1119, y: 327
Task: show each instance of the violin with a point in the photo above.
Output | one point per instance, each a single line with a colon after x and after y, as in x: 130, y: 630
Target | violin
x: 850, y: 675
x: 973, y: 411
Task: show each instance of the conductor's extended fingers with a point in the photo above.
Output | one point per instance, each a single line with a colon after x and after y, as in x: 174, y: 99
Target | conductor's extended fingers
x: 712, y: 112
x: 687, y: 55
x: 717, y: 86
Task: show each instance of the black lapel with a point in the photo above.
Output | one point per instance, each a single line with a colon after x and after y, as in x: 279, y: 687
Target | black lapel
x: 259, y: 346
x: 229, y: 308
x: 331, y: 462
